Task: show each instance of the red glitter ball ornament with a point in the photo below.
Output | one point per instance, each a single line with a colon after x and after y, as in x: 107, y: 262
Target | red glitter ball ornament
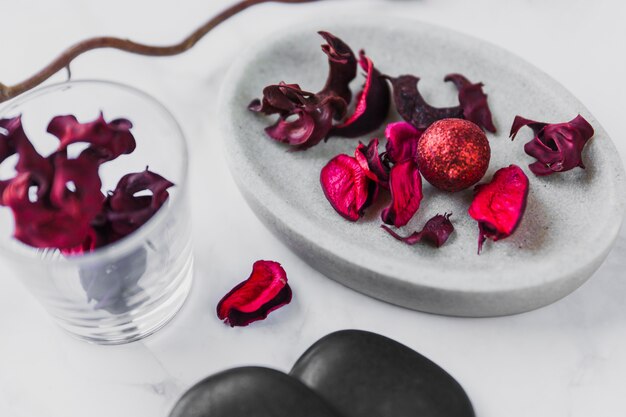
x: 453, y: 154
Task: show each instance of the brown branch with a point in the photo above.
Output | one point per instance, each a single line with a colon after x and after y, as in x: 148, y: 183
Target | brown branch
x: 64, y: 60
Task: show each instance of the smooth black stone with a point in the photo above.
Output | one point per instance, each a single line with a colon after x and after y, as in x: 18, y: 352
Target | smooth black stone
x: 251, y: 392
x: 362, y: 374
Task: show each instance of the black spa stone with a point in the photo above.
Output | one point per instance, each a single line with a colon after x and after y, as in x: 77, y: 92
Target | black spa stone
x: 362, y: 374
x: 251, y: 392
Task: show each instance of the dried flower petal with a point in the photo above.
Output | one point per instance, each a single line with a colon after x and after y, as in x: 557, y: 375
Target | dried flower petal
x: 77, y: 184
x: 348, y: 186
x: 57, y: 201
x: 40, y: 222
x: 108, y: 140
x: 402, y: 139
x: 436, y: 231
x: 263, y: 292
x: 413, y: 108
x: 125, y: 210
x: 499, y: 205
x: 14, y: 141
x: 405, y: 184
x: 557, y: 147
x: 374, y: 161
x: 39, y: 225
x: 342, y: 67
x: 305, y: 119
x: 473, y: 101
x: 372, y: 104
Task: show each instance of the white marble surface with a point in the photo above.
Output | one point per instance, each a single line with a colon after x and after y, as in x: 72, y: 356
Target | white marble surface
x: 567, y: 359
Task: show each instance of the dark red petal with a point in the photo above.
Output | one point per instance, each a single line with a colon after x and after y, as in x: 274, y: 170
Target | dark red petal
x: 14, y: 141
x: 557, y: 147
x: 436, y: 231
x: 76, y: 182
x: 109, y: 140
x: 347, y: 186
x: 38, y: 225
x: 412, y: 106
x: 280, y: 98
x: 373, y: 161
x: 263, y: 292
x: 126, y: 211
x: 499, y: 205
x: 372, y: 104
x: 473, y: 101
x: 305, y: 119
x: 405, y: 184
x: 402, y: 139
x: 520, y: 122
x: 342, y: 67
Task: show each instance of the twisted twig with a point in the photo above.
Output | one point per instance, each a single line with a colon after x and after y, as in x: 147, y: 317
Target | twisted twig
x: 64, y: 60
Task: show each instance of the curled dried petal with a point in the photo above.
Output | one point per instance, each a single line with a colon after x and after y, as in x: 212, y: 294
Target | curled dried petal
x: 348, y: 186
x: 281, y: 99
x: 413, y: 108
x: 499, y: 205
x: 374, y: 161
x: 342, y: 67
x: 125, y: 210
x: 108, y: 140
x: 263, y: 292
x: 14, y: 141
x: 436, y: 231
x: 557, y: 147
x: 402, y: 139
x: 372, y: 104
x: 305, y: 119
x: 39, y: 225
x: 473, y: 101
x: 405, y: 184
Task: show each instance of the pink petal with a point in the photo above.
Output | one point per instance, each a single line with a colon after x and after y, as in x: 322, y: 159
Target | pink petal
x: 263, y: 292
x: 405, y: 184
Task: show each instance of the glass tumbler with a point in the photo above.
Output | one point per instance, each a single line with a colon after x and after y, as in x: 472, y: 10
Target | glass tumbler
x: 129, y: 289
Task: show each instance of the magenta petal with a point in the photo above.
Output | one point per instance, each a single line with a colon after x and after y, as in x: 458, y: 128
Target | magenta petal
x: 557, y: 147
x: 402, y: 139
x: 499, y: 205
x: 76, y: 189
x: 436, y: 231
x: 372, y: 105
x: 263, y: 292
x: 347, y: 186
x: 38, y: 225
x: 108, y: 140
x: 473, y: 101
x: 405, y: 184
x: 374, y: 161
x: 342, y: 67
x: 412, y: 106
x: 30, y: 161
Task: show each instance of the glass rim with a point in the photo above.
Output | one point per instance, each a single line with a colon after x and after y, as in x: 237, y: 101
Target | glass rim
x: 125, y: 245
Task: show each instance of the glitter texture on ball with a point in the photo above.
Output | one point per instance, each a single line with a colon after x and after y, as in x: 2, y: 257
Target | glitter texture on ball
x: 453, y: 154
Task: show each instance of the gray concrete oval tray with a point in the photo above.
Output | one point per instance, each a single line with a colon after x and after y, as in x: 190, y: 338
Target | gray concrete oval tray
x: 571, y: 221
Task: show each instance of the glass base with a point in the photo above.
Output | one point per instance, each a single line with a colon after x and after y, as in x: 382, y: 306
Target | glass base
x: 139, y: 323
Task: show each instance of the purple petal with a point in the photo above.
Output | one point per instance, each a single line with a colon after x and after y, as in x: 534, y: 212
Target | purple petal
x: 372, y: 105
x: 436, y: 231
x: 412, y: 106
x: 473, y: 101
